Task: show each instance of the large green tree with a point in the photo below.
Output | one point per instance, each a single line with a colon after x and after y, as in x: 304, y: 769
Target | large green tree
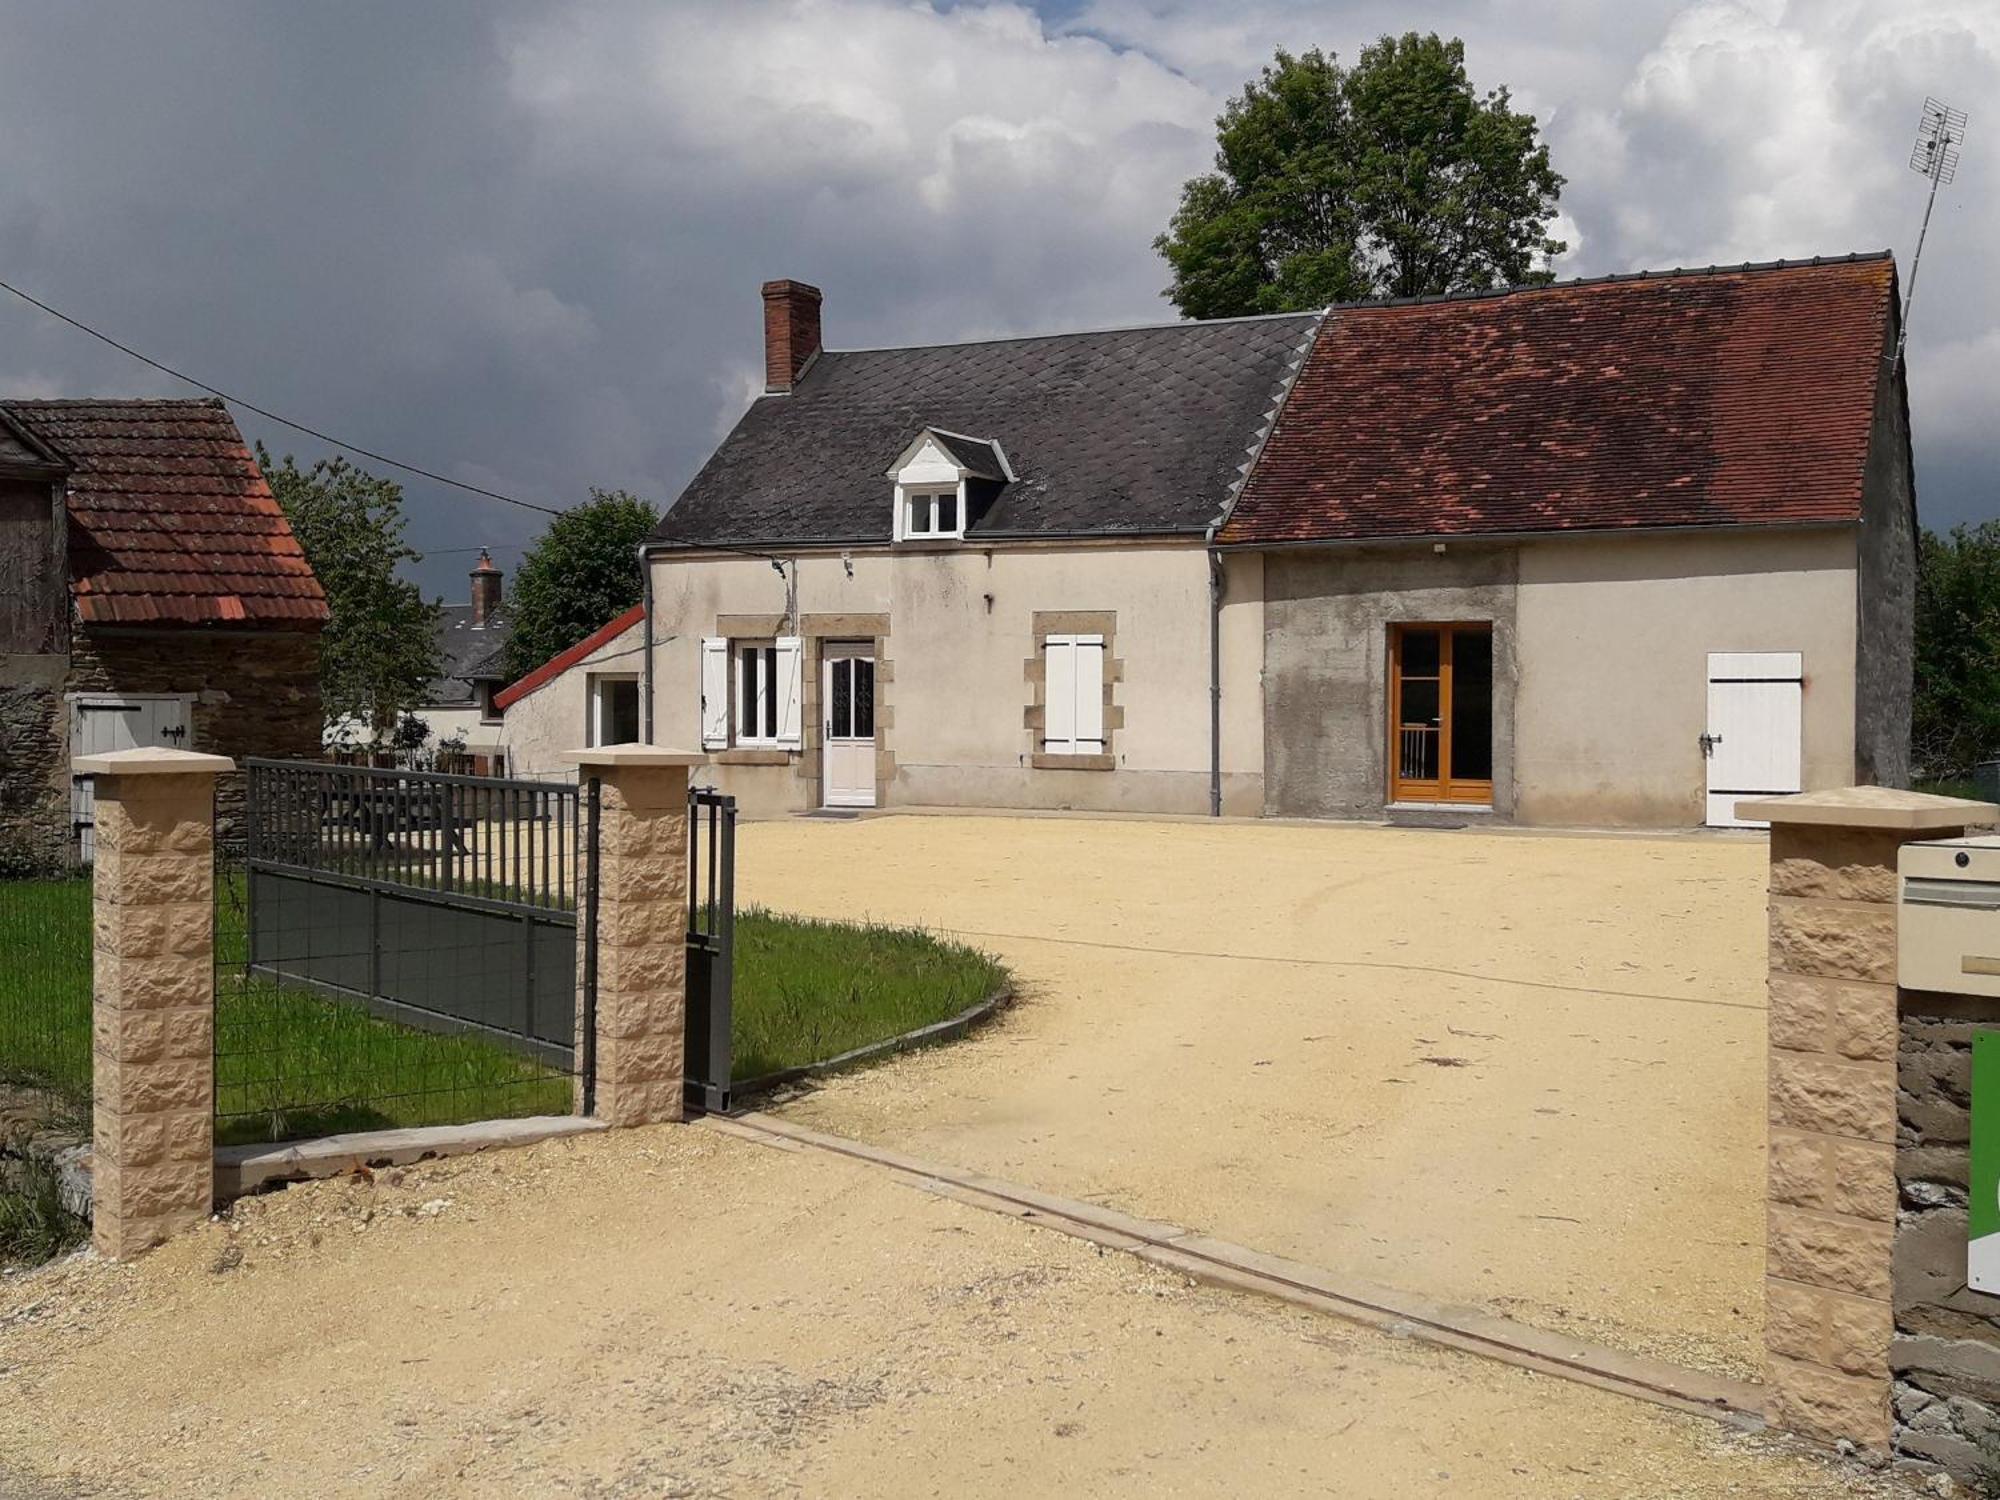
x: 582, y: 572
x: 379, y: 647
x: 1390, y: 178
x: 1955, y: 718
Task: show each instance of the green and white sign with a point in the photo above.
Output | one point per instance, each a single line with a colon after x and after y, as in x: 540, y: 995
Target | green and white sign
x: 1982, y: 1214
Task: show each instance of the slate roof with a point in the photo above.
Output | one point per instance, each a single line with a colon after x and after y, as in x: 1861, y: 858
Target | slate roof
x: 980, y: 456
x: 467, y: 654
x: 1124, y: 431
x: 171, y: 522
x: 1728, y: 396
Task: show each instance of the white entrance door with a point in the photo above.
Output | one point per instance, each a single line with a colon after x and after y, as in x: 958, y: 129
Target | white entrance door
x: 847, y: 713
x: 1756, y: 705
x: 102, y: 722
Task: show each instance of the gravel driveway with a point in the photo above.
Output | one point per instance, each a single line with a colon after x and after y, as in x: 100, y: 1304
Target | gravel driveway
x: 674, y: 1312
x: 1524, y: 1071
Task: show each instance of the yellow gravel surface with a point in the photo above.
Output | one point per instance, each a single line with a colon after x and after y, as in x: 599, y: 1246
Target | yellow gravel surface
x: 1514, y: 1070
x: 673, y: 1312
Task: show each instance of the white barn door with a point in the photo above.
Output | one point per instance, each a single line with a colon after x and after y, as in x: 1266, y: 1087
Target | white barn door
x: 1756, y: 702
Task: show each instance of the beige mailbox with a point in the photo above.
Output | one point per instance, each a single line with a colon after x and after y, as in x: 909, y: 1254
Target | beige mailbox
x: 1948, y: 916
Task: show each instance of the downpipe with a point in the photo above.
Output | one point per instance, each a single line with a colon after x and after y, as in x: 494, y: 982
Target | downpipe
x: 1214, y: 677
x: 646, y: 656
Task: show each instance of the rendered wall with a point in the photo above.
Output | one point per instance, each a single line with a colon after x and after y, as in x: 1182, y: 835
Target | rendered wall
x: 1326, y: 666
x: 1886, y: 661
x: 1600, y: 664
x: 537, y: 731
x: 1614, y: 637
x: 953, y: 678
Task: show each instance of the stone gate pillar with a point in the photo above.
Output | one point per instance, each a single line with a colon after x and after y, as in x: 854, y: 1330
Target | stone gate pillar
x: 1832, y: 1196
x: 640, y: 925
x: 152, y: 996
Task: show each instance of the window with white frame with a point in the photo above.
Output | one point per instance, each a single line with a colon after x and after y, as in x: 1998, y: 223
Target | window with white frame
x: 1073, y: 695
x: 614, y: 708
x: 750, y: 692
x: 933, y: 513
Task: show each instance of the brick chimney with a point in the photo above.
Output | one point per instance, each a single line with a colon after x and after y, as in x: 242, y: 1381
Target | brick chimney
x: 485, y: 589
x: 791, y: 332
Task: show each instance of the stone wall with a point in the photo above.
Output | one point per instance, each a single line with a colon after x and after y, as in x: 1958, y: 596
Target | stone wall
x: 255, y: 692
x: 1946, y: 1354
x: 34, y: 764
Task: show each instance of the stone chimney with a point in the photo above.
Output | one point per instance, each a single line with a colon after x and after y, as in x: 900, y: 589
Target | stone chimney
x: 791, y: 332
x: 485, y: 589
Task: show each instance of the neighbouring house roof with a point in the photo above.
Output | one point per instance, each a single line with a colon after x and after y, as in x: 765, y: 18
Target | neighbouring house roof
x: 1728, y: 396
x: 556, y: 665
x: 1125, y: 431
x: 467, y: 654
x: 171, y: 522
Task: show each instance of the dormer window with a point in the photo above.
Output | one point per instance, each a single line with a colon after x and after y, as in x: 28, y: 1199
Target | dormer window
x: 944, y: 482
x: 933, y: 513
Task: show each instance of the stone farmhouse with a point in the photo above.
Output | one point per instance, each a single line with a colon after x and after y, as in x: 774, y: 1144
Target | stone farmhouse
x: 1611, y: 552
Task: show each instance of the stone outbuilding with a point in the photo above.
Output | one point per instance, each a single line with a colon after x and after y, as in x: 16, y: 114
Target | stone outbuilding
x: 151, y: 593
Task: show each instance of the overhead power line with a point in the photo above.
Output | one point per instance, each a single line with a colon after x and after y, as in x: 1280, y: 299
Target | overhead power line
x: 326, y: 437
x: 266, y: 412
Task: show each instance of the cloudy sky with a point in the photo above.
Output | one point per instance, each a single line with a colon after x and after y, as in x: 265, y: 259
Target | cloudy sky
x: 521, y: 243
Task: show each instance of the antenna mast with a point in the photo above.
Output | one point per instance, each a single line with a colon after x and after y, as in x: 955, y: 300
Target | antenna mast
x: 1935, y: 156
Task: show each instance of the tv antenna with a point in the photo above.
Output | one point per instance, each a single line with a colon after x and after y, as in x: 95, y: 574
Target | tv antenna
x: 1935, y: 155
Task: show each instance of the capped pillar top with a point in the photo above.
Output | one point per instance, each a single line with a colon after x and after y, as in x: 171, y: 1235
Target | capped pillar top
x: 152, y: 760
x: 1878, y: 807
x: 635, y: 755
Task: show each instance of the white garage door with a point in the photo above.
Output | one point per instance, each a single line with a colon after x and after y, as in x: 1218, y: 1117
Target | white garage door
x: 1756, y: 702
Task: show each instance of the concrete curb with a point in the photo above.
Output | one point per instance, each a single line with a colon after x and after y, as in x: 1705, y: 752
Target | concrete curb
x: 247, y: 1169
x: 1220, y: 1263
x: 948, y: 1030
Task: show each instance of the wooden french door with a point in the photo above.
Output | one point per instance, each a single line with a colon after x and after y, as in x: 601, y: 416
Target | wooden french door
x: 1441, y: 713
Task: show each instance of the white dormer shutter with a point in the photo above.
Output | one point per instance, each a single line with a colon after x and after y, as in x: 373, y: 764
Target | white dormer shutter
x: 1089, y: 733
x: 789, y: 688
x: 1059, y: 695
x: 714, y: 693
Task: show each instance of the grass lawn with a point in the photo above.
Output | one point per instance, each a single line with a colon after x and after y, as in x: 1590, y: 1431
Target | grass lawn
x: 293, y: 1064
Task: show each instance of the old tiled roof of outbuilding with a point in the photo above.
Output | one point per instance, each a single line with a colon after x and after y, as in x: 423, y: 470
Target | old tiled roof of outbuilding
x: 1729, y: 396
x: 1123, y: 431
x: 171, y: 521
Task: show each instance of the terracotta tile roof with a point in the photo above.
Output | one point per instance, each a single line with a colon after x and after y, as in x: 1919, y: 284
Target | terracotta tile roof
x: 1719, y: 397
x: 560, y: 663
x: 171, y: 521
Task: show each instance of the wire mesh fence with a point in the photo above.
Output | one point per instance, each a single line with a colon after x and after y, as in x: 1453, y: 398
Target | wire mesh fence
x: 394, y: 949
x: 45, y: 966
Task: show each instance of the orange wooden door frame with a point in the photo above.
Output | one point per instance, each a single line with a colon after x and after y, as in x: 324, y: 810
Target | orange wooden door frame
x: 1443, y: 787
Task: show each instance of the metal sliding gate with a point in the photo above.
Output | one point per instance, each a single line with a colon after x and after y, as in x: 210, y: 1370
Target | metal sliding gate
x: 447, y: 903
x: 711, y: 948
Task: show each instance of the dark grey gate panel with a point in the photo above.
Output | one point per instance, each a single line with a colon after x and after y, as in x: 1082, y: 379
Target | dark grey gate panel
x: 443, y: 902
x: 711, y: 949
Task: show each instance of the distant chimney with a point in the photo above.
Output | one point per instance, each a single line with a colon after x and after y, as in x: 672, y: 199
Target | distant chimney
x: 791, y: 332
x: 485, y: 589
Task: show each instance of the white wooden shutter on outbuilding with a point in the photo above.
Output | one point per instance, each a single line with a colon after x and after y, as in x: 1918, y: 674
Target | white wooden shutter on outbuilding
x: 790, y: 687
x: 714, y: 693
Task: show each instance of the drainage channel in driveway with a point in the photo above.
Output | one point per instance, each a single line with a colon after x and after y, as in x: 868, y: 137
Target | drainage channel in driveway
x: 1220, y: 1263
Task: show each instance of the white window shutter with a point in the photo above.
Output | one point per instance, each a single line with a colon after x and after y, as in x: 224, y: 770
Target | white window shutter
x: 789, y: 688
x: 1089, y: 694
x: 1059, y: 694
x: 714, y: 693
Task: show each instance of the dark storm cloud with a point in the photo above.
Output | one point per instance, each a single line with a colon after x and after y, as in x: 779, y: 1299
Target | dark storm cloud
x: 521, y: 244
